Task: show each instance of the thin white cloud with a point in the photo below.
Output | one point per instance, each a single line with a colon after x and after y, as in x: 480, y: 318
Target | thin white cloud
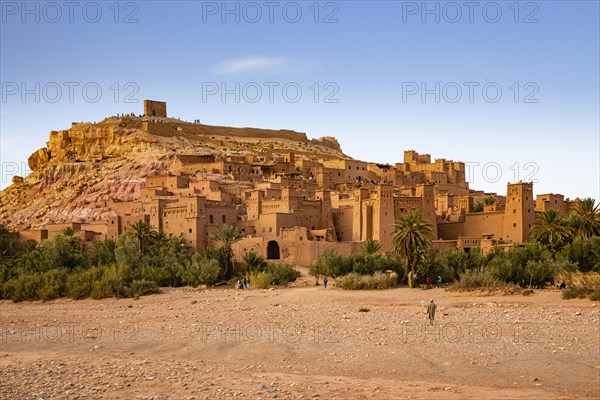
x: 251, y: 64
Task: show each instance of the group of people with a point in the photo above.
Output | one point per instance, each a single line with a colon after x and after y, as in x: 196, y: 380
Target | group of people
x: 243, y: 284
x: 428, y: 284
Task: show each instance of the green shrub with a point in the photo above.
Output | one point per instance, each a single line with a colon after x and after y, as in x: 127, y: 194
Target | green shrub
x: 110, y: 285
x: 282, y: 274
x: 63, y: 251
x: 595, y: 296
x: 201, y: 270
x: 478, y: 279
x: 143, y: 288
x: 261, y: 280
x: 79, y: 284
x: 25, y: 287
x: 377, y: 281
x: 576, y: 292
x: 585, y: 252
x: 53, y: 284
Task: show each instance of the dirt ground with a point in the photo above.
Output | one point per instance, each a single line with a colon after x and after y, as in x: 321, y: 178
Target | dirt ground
x: 301, y: 343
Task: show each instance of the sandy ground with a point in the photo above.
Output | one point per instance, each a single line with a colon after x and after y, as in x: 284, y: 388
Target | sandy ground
x: 301, y: 343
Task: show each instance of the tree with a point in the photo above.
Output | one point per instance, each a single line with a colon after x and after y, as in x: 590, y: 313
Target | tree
x: 253, y: 262
x: 127, y: 251
x: 370, y: 247
x: 10, y: 247
x: 180, y: 248
x: 479, y: 206
x: 103, y: 252
x: 587, y: 217
x: 412, y: 237
x: 143, y: 232
x: 550, y: 229
x: 226, y: 237
x: 63, y: 251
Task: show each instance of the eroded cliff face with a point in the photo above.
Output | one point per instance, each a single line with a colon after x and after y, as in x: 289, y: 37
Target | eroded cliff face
x: 87, y: 165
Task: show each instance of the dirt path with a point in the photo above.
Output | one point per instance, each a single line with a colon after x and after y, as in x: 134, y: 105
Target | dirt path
x: 301, y: 343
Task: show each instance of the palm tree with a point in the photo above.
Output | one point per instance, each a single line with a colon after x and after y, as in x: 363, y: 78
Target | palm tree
x: 587, y: 216
x: 254, y: 262
x: 143, y: 232
x: 412, y: 237
x: 226, y: 237
x: 488, y: 200
x: 179, y: 246
x: 479, y: 206
x: 549, y: 228
x: 370, y: 247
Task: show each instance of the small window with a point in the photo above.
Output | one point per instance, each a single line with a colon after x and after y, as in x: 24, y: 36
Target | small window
x: 190, y: 230
x: 514, y: 210
x: 270, y: 229
x: 224, y: 219
x: 514, y: 225
x: 211, y: 219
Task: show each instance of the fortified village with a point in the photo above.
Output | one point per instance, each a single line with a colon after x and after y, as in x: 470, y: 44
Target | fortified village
x: 291, y: 205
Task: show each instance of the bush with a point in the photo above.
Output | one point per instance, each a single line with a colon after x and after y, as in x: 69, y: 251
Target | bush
x: 478, y: 279
x: 25, y: 287
x: 580, y: 284
x: 261, y: 280
x: 575, y: 292
x: 528, y: 292
x: 143, y: 288
x: 330, y: 264
x: 79, y: 284
x: 63, y: 251
x: 201, y: 271
x: 282, y: 274
x: 53, y: 284
x: 110, y: 285
x: 585, y: 252
x: 377, y: 281
x: 595, y: 296
x: 334, y: 265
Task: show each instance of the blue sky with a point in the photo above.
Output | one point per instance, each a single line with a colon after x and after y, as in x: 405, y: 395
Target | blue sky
x: 381, y: 76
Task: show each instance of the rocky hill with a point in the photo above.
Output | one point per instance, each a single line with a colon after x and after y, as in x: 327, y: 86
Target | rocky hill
x: 88, y: 164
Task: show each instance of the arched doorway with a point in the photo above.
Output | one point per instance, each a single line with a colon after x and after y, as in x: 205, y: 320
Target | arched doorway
x: 273, y: 250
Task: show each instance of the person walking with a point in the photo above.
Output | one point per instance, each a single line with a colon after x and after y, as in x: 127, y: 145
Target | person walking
x: 325, y: 282
x: 431, y: 311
